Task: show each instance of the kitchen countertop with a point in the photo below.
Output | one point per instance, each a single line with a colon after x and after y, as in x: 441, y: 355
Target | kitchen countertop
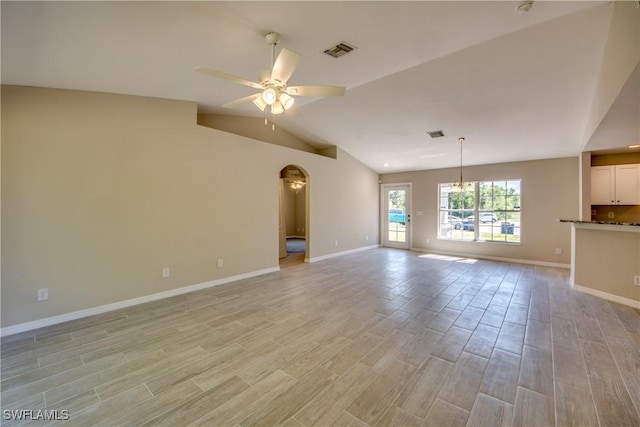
x: 633, y: 227
x: 576, y: 221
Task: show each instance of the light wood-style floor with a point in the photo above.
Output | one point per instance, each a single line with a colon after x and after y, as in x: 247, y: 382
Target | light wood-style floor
x: 378, y: 338
x: 292, y: 259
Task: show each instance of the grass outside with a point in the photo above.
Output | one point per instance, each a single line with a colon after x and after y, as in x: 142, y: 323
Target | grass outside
x: 484, y: 236
x: 396, y: 232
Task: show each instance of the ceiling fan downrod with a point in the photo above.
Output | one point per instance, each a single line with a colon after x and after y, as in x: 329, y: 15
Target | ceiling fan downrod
x: 272, y: 38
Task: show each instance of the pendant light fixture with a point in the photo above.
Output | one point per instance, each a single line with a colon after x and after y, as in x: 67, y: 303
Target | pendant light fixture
x: 460, y: 185
x: 297, y: 185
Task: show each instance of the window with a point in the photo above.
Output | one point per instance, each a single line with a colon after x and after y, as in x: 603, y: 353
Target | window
x: 483, y: 211
x: 455, y: 209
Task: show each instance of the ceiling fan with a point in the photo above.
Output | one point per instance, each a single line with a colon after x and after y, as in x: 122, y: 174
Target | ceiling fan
x: 274, y: 92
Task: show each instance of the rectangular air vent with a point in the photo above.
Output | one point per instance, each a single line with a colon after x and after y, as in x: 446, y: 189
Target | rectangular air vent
x: 436, y: 133
x: 339, y: 50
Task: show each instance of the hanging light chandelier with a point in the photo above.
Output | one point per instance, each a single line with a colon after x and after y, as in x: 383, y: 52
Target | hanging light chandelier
x: 460, y: 185
x: 297, y: 185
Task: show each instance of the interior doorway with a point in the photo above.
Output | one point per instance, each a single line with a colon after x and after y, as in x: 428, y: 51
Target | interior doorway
x: 293, y: 230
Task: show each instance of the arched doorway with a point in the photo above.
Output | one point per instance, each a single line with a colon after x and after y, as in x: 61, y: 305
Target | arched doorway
x: 293, y: 230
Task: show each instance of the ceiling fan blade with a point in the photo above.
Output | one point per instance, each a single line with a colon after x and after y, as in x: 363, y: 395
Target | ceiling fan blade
x: 316, y: 90
x: 230, y: 77
x: 285, y: 65
x: 242, y: 100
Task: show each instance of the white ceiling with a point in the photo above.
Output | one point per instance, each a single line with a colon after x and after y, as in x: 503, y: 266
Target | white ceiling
x: 518, y: 86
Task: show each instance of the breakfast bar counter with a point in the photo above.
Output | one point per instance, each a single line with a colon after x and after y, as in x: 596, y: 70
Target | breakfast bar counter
x: 605, y: 259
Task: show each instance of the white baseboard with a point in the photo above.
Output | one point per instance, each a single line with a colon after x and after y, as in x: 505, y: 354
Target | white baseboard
x: 608, y: 296
x: 494, y: 258
x: 339, y: 254
x: 53, y: 320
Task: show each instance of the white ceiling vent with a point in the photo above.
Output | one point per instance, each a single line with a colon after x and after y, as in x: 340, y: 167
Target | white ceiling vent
x: 436, y: 133
x: 339, y: 50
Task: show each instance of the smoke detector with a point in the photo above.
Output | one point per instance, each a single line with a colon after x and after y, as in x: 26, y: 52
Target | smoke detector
x: 525, y: 6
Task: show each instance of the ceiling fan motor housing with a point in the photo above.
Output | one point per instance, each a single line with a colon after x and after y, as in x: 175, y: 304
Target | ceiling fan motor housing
x: 272, y: 37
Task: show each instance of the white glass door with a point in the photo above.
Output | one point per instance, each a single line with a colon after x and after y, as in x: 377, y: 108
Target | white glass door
x: 396, y: 215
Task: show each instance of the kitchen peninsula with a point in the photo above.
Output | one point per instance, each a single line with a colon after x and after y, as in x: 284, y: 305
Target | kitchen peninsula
x: 605, y: 257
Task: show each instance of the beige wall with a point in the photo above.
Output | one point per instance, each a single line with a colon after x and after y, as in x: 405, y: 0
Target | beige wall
x: 101, y: 191
x: 289, y: 211
x: 549, y: 192
x: 607, y: 261
x: 295, y: 211
x: 255, y: 128
x: 301, y: 205
x: 615, y: 159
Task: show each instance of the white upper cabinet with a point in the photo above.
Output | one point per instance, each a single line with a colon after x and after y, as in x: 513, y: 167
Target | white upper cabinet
x: 628, y: 184
x: 615, y: 185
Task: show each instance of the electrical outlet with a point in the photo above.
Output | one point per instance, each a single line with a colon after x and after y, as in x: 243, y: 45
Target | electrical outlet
x: 636, y: 280
x: 43, y: 294
x: 611, y: 215
x: 220, y: 263
x: 428, y: 241
x: 558, y: 251
x: 366, y: 237
x: 335, y: 243
x: 165, y: 272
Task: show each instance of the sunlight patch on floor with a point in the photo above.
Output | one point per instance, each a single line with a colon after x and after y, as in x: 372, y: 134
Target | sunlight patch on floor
x: 449, y: 258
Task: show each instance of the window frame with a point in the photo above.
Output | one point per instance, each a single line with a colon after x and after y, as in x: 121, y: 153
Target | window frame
x: 502, y: 215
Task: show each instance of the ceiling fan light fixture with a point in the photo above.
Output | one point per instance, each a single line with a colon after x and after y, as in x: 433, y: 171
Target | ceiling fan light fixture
x: 259, y: 102
x: 277, y: 108
x: 287, y: 101
x: 272, y: 84
x: 269, y: 96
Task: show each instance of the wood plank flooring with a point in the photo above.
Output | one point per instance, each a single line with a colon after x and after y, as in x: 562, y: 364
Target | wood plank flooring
x: 378, y: 338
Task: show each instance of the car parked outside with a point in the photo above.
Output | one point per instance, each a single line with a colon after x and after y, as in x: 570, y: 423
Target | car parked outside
x: 458, y: 223
x: 484, y: 217
x: 455, y: 221
x: 397, y: 215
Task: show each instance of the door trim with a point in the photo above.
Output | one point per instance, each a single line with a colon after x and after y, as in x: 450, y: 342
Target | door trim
x: 384, y: 213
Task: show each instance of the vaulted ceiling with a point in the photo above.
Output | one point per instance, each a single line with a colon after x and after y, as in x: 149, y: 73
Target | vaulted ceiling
x: 517, y: 86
